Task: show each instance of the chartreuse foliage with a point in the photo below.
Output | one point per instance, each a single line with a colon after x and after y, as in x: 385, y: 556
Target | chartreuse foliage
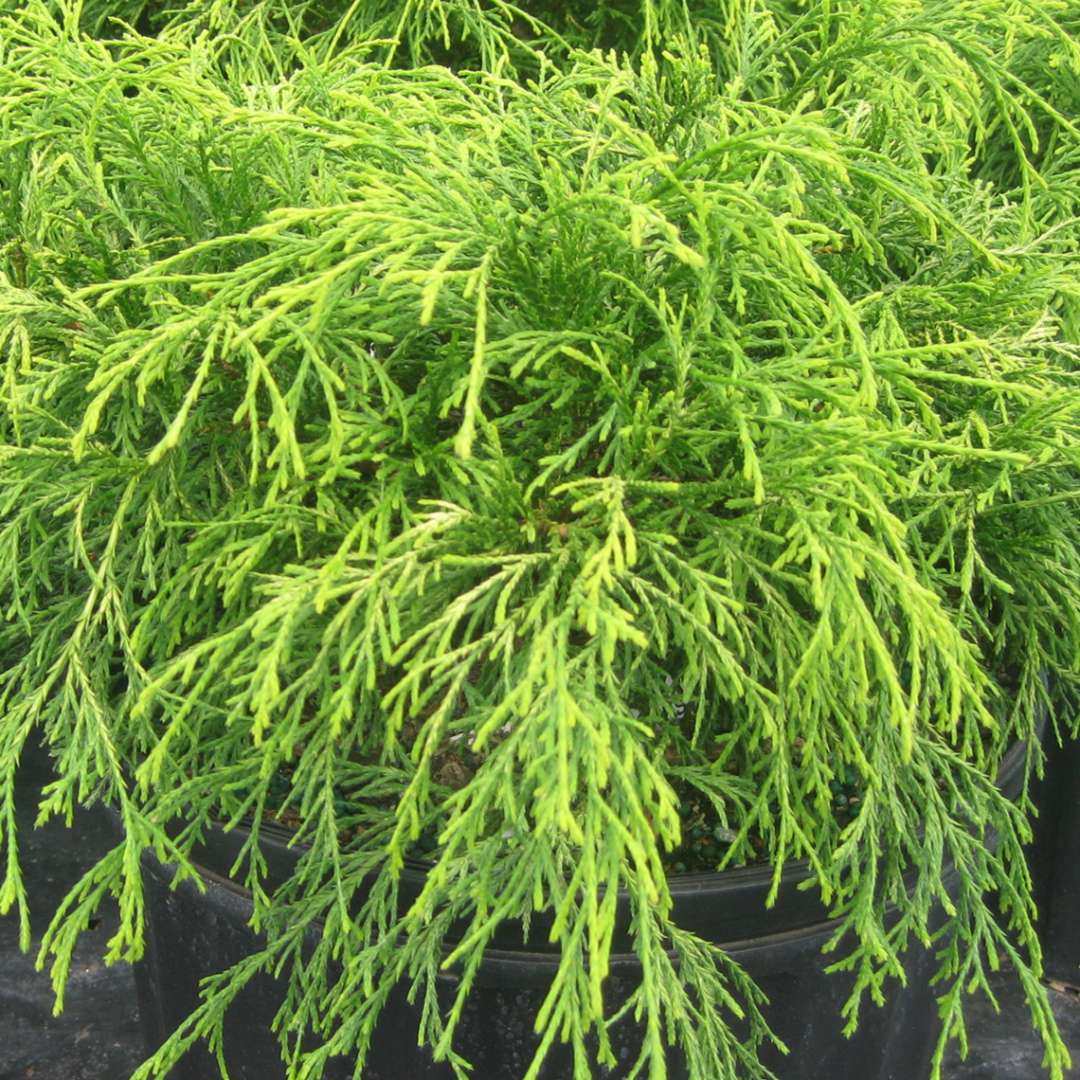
x: 699, y: 415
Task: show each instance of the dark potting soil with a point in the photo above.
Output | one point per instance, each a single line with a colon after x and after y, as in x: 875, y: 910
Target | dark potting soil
x: 705, y: 839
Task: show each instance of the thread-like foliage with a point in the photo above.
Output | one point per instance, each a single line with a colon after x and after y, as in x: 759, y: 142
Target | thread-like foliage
x: 698, y: 414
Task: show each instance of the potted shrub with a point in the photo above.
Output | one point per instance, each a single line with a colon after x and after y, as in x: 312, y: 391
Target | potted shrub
x: 583, y: 507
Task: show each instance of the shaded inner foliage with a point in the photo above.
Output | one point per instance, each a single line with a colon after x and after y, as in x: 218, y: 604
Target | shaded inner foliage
x: 491, y: 427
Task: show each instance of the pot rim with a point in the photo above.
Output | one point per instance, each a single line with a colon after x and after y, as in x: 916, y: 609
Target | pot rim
x: 726, y: 907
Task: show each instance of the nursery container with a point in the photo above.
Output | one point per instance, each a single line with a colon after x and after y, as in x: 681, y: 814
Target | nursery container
x: 1055, y: 862
x: 192, y: 934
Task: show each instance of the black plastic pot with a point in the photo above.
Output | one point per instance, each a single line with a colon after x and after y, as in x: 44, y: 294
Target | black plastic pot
x: 191, y: 935
x: 1055, y: 862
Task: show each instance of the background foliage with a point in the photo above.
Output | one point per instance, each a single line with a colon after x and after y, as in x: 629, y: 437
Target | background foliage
x: 384, y: 380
